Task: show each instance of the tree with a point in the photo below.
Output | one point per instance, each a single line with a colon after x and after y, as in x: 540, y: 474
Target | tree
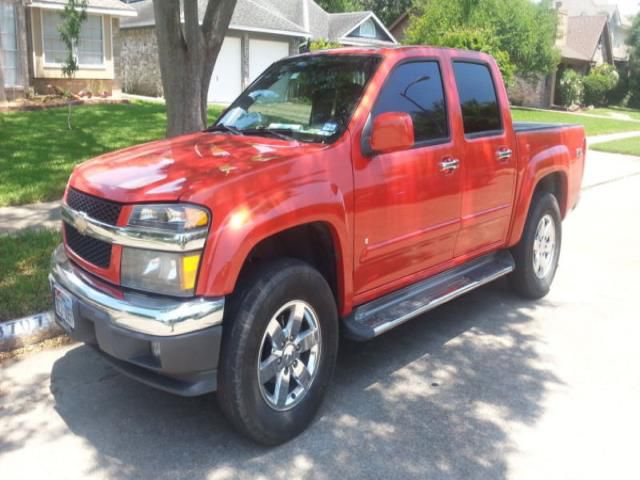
x: 187, y: 53
x: 633, y: 40
x: 3, y: 96
x: 386, y: 10
x: 73, y: 15
x: 523, y: 30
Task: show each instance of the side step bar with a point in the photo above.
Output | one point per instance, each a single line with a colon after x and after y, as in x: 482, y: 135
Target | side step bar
x: 383, y: 314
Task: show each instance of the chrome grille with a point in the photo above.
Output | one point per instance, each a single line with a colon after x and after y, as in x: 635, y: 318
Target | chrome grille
x: 97, y: 208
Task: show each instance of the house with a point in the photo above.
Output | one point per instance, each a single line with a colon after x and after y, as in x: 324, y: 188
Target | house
x: 584, y: 41
x: 618, y: 25
x: 399, y: 26
x: 260, y: 32
x: 32, y: 53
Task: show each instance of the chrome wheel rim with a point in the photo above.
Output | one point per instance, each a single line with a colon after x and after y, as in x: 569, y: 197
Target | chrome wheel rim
x: 544, y: 246
x: 289, y: 355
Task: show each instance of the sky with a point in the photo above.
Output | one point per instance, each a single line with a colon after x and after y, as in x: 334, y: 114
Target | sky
x: 627, y: 7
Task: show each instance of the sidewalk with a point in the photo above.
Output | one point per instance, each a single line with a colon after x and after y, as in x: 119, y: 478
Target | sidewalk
x: 611, y: 137
x: 35, y: 215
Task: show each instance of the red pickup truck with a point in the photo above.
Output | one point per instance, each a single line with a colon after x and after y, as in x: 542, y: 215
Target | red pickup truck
x: 344, y: 192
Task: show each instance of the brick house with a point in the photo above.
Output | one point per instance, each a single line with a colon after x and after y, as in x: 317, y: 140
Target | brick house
x: 31, y: 52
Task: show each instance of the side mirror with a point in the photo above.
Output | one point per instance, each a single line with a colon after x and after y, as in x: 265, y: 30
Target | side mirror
x: 392, y: 131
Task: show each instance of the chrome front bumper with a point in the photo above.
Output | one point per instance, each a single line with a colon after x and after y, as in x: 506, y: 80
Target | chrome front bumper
x: 148, y: 314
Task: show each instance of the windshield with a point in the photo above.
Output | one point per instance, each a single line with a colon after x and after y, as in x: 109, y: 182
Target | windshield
x: 308, y: 98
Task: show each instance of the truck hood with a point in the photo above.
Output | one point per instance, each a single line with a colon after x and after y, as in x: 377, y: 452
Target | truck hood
x: 166, y: 170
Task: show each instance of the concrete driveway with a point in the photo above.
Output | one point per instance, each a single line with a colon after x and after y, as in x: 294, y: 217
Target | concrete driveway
x: 488, y: 386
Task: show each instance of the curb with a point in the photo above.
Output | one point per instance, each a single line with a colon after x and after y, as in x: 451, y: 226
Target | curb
x: 28, y: 331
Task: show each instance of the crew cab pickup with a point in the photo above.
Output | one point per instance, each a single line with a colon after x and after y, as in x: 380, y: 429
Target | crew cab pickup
x: 343, y: 193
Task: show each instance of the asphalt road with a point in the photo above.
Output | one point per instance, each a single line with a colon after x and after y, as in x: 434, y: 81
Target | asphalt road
x: 486, y: 387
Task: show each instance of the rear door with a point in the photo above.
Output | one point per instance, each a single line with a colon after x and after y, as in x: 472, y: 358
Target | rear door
x: 408, y: 202
x: 487, y: 160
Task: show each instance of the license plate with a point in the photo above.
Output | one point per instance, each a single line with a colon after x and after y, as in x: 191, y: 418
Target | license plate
x: 64, y: 306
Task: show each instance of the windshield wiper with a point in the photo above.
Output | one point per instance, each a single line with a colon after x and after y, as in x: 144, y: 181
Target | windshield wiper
x: 224, y: 128
x: 276, y: 132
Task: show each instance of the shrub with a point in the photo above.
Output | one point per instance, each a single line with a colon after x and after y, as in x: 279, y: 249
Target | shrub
x: 322, y: 44
x: 571, y: 88
x: 600, y: 81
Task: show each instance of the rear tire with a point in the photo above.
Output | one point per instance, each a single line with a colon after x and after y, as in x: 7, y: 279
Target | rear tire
x: 536, y: 255
x: 279, y: 351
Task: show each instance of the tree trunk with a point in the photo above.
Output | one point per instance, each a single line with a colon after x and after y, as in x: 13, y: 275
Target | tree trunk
x: 3, y: 95
x: 187, y: 57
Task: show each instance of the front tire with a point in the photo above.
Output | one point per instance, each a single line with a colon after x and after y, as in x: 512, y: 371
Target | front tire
x: 536, y: 255
x: 279, y: 351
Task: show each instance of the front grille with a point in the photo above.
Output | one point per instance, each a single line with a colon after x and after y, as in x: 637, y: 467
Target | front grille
x: 102, y: 210
x: 90, y: 249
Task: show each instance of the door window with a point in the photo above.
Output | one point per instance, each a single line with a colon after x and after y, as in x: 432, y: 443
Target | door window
x: 416, y: 88
x: 478, y: 99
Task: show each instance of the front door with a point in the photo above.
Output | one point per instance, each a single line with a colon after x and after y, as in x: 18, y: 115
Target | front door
x: 487, y: 161
x: 407, y: 203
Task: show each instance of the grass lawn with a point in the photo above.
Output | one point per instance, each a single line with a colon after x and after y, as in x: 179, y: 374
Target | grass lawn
x: 38, y: 152
x: 629, y: 146
x: 593, y: 126
x: 24, y: 263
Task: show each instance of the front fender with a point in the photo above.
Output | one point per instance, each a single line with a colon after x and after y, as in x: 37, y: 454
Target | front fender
x: 305, y: 191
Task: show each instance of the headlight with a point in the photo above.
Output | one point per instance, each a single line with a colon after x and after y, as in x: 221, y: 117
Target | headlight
x: 173, y: 217
x: 157, y: 271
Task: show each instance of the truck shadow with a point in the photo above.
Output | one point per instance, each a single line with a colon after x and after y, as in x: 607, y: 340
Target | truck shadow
x: 434, y: 398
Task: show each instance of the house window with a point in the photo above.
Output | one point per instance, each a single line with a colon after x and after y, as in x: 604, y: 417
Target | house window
x: 9, y: 44
x: 90, y: 42
x: 368, y: 29
x: 89, y: 49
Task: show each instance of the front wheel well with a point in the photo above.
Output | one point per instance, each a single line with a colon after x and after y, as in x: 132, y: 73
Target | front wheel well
x: 311, y: 243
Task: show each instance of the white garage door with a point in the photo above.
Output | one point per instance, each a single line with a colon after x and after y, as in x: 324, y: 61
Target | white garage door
x: 226, y: 81
x: 263, y: 53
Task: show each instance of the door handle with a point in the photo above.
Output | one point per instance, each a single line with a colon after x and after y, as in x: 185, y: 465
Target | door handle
x: 504, y: 154
x: 449, y: 165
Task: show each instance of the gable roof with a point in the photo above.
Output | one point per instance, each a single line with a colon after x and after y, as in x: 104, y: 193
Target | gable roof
x: 110, y: 7
x: 583, y: 36
x: 298, y: 18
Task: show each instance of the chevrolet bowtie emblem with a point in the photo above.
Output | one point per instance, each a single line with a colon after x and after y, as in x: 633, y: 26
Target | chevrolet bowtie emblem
x: 81, y: 224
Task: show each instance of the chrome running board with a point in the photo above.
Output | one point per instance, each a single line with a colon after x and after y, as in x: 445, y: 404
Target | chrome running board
x: 383, y: 314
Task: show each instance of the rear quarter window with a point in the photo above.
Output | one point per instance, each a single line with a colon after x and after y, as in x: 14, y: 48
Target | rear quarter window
x: 478, y: 98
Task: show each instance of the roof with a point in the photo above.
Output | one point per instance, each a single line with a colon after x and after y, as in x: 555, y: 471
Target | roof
x: 583, y: 36
x: 299, y: 18
x: 112, y: 7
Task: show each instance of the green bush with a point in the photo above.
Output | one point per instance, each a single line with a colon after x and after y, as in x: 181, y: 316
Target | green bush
x: 571, y: 88
x: 322, y: 44
x: 600, y: 81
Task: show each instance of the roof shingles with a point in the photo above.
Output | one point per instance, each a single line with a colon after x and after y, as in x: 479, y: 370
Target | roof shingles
x: 583, y: 36
x: 286, y: 16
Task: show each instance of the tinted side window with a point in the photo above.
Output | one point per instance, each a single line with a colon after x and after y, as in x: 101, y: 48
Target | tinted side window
x: 416, y: 88
x: 478, y: 98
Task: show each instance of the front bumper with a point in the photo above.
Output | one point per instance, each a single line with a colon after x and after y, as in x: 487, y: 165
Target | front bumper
x: 170, y: 344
